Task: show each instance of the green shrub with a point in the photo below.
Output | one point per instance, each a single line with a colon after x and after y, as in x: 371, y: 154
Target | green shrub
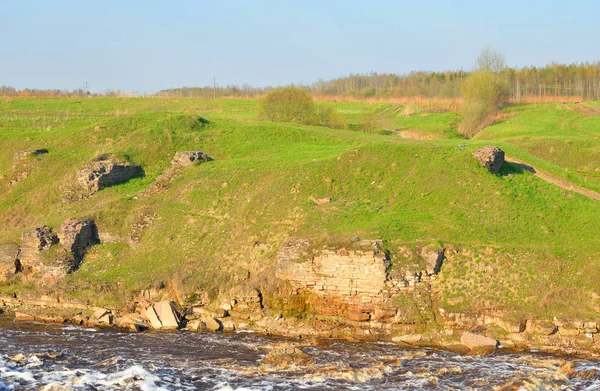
x: 483, y: 94
x: 288, y: 104
x: 291, y: 104
x: 327, y: 115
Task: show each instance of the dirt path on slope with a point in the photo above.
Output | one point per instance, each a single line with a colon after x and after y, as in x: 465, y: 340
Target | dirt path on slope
x: 581, y: 108
x: 554, y: 180
x: 414, y: 135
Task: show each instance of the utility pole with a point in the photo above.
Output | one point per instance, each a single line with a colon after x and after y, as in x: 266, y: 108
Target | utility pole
x: 86, y: 88
x: 214, y: 87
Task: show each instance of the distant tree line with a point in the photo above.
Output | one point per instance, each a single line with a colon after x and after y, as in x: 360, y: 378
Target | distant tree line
x: 554, y: 80
x: 581, y: 80
x: 79, y: 92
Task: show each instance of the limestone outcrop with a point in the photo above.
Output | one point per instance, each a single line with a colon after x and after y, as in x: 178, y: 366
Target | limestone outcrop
x: 104, y: 173
x: 356, y: 286
x: 343, y: 283
x: 8, y: 259
x: 181, y: 159
x: 76, y: 236
x: 33, y: 242
x: 492, y: 158
x: 247, y: 305
x: 187, y: 158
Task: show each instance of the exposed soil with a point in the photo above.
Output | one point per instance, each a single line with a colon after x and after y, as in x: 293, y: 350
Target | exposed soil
x: 415, y: 135
x: 582, y: 109
x: 554, y: 180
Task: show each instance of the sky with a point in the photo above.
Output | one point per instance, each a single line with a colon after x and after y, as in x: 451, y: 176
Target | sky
x: 146, y: 46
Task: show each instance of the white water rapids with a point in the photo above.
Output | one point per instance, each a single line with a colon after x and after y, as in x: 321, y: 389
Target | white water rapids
x: 52, y: 358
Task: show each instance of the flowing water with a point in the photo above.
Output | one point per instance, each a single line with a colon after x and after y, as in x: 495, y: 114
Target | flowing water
x: 52, y: 357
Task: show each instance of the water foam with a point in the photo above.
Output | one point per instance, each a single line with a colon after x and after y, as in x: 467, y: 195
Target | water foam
x: 227, y: 387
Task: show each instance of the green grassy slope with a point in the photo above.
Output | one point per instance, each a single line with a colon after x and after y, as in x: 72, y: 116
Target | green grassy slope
x: 218, y: 220
x: 564, y: 135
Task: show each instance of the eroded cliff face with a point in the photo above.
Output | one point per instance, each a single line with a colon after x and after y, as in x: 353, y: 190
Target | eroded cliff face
x: 355, y: 286
x: 363, y: 289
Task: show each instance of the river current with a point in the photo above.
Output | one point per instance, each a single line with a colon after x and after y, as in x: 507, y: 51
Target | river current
x: 53, y: 357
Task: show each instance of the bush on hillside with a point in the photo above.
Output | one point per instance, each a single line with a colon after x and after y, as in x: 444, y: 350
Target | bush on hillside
x: 291, y: 104
x: 483, y: 94
x: 288, y: 104
x: 327, y: 115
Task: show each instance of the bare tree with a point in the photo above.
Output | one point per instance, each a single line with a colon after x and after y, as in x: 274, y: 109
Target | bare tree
x: 491, y: 60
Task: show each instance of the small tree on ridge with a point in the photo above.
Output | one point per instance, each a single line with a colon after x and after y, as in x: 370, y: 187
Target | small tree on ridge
x: 484, y: 92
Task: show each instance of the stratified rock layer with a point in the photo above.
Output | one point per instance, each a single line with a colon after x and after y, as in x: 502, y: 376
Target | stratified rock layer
x: 100, y: 174
x: 35, y: 241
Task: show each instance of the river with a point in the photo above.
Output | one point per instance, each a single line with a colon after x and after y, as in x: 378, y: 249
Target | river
x: 55, y: 357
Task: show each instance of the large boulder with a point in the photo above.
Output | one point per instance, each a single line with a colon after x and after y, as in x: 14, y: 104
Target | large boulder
x: 163, y: 315
x: 103, y: 316
x: 212, y: 324
x: 152, y: 317
x: 132, y: 322
x: 490, y: 157
x: 187, y: 158
x: 76, y: 236
x: 478, y: 342
x: 104, y: 173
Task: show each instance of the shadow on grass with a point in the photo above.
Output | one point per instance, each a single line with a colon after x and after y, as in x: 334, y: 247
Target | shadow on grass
x: 509, y: 168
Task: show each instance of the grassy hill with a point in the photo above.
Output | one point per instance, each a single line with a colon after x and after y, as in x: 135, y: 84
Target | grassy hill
x: 535, y: 246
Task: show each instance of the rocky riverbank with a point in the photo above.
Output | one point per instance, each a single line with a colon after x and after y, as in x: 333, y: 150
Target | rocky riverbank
x: 463, y: 334
x: 352, y: 293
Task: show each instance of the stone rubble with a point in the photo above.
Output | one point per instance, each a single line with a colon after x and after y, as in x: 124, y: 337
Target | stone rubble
x: 187, y: 158
x: 492, y: 158
x: 22, y: 166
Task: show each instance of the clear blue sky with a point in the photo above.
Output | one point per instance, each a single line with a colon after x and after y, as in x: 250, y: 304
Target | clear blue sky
x: 145, y: 46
